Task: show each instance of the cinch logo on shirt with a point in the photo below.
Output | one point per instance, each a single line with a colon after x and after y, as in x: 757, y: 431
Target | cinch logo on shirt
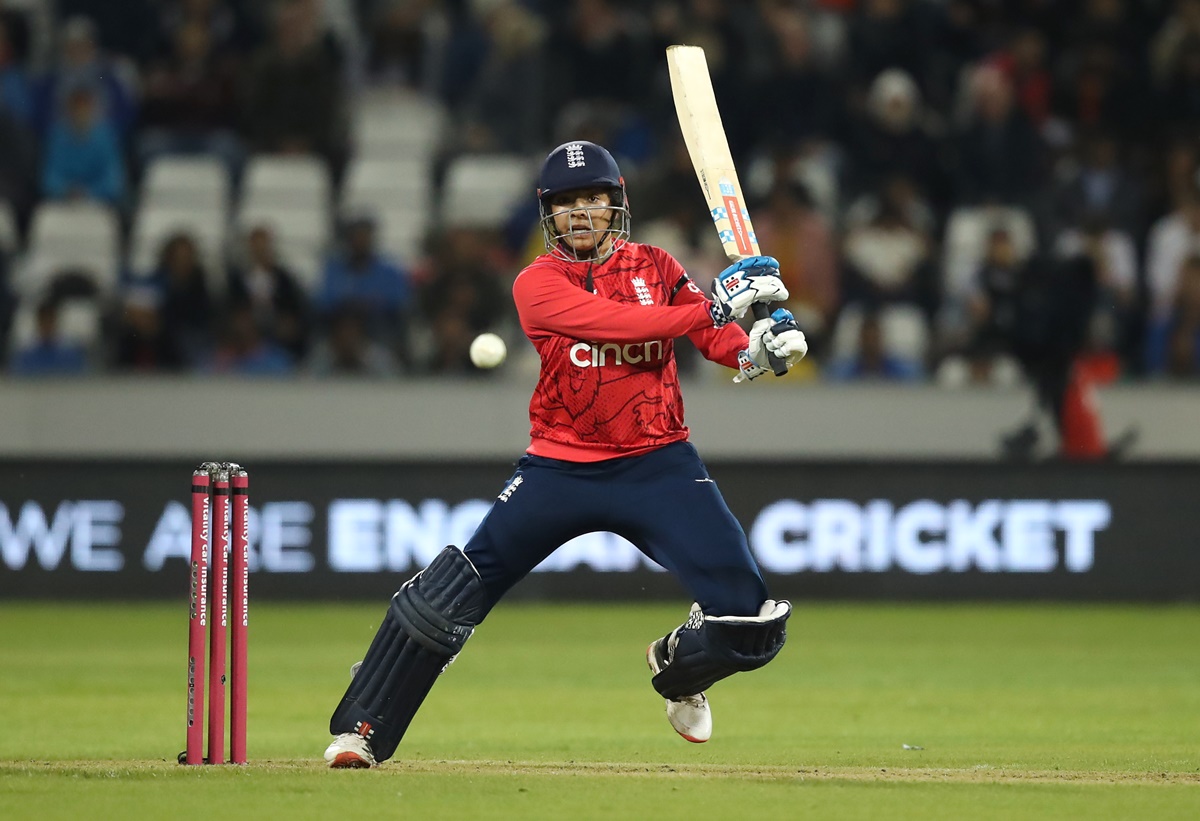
x: 591, y: 355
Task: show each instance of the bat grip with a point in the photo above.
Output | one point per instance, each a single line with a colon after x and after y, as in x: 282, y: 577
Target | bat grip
x: 761, y: 311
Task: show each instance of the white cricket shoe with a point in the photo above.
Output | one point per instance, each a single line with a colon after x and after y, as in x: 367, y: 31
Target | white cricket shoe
x: 690, y: 715
x: 350, y: 751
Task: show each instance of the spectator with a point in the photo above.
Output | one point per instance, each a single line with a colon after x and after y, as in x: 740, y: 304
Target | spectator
x: 187, y: 310
x: 597, y: 54
x: 812, y: 112
x: 899, y: 193
x: 189, y: 101
x: 1174, y: 238
x: 1173, y: 173
x: 348, y: 350
x: 887, y: 262
x: 803, y: 242
x: 279, y: 304
x: 871, y: 359
x: 981, y: 347
x: 1173, y: 345
x: 892, y: 140
x: 1024, y: 64
x: 502, y: 106
x: 1051, y: 323
x: 293, y: 90
x: 999, y: 156
x: 18, y: 167
x: 452, y: 335
x: 1179, y: 103
x: 83, y: 157
x: 888, y: 34
x: 1170, y: 41
x: 1117, y: 323
x: 81, y: 63
x: 50, y: 354
x: 8, y: 304
x: 466, y: 277
x: 244, y: 351
x: 1102, y: 189
x: 16, y: 91
x: 1100, y: 94
x: 361, y: 275
x: 143, y: 342
x: 400, y: 48
x: 230, y: 30
x: 125, y: 27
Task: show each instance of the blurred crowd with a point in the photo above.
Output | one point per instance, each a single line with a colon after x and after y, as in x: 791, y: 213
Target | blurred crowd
x: 955, y: 189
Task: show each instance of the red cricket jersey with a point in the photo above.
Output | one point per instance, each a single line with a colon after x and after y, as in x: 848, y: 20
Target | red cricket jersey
x: 608, y: 385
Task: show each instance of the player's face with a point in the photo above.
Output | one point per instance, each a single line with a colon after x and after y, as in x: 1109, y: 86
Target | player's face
x: 582, y: 217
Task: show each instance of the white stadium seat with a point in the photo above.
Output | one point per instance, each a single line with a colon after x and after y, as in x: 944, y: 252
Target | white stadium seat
x: 387, y: 183
x: 481, y: 191
x: 903, y: 328
x: 194, y: 182
x: 71, y: 235
x: 398, y: 194
x: 287, y: 181
x: 396, y: 124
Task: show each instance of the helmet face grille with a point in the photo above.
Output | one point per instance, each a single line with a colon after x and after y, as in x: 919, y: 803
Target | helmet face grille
x: 606, y: 240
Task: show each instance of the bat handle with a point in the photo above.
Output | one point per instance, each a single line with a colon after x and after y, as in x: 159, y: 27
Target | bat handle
x: 761, y: 311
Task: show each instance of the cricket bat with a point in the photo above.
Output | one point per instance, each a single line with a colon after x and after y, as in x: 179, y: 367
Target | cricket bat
x: 700, y: 121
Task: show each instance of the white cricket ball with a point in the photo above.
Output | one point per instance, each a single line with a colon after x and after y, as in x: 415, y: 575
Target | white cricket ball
x: 488, y: 351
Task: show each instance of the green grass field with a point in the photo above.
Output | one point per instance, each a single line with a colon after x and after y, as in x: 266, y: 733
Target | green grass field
x: 1022, y: 712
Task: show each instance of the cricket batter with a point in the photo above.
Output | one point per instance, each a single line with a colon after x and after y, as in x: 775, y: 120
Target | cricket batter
x: 609, y: 452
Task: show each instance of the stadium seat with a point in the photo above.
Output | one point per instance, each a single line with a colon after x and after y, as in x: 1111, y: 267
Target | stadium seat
x: 287, y: 181
x: 402, y: 232
x: 387, y: 183
x: 194, y: 182
x: 903, y: 327
x: 398, y: 194
x: 71, y: 235
x: 481, y: 191
x: 390, y: 124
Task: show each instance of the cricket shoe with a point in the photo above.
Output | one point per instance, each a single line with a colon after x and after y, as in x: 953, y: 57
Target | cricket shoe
x: 350, y: 751
x: 690, y: 715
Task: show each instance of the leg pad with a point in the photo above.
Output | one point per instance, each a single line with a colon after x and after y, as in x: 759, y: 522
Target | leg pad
x: 705, y: 649
x: 427, y: 623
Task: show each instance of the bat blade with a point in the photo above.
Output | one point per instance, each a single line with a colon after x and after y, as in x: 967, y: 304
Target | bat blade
x: 704, y: 135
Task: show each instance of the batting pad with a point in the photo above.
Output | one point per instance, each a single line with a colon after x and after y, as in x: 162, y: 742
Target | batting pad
x: 427, y: 623
x: 706, y: 649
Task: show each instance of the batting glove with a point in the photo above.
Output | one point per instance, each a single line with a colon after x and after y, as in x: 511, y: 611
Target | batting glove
x: 778, y: 334
x: 747, y: 281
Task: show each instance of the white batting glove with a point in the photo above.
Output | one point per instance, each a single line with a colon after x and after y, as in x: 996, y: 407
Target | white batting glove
x: 778, y: 334
x: 747, y: 281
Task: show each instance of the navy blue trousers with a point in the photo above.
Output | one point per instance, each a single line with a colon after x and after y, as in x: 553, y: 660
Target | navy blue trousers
x: 664, y: 502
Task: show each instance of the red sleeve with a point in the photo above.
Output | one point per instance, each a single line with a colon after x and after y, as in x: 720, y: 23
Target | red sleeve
x: 549, y: 303
x: 720, y: 345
